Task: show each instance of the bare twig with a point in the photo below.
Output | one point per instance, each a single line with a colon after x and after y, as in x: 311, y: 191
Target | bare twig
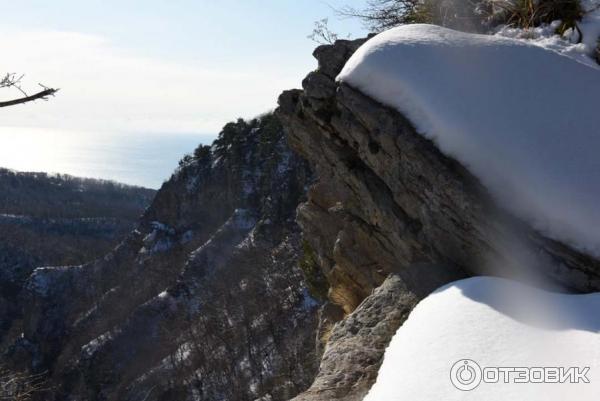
x: 322, y: 34
x: 379, y: 15
x: 12, y: 80
x: 40, y: 95
x: 20, y: 386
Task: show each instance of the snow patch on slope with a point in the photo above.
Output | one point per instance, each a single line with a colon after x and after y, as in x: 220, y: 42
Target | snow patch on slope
x: 89, y: 349
x: 44, y: 280
x: 522, y: 118
x: 496, y: 323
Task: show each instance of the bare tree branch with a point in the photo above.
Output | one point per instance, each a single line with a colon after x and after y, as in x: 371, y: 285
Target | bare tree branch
x: 321, y: 33
x: 40, y: 95
x: 12, y: 80
x: 21, y: 386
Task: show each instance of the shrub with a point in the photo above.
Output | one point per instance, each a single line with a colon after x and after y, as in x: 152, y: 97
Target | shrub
x: 379, y: 15
x: 467, y: 15
x: 315, y: 280
x: 321, y: 33
x: 530, y: 13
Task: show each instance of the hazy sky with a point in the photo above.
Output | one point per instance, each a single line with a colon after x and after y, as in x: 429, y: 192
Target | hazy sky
x: 176, y: 66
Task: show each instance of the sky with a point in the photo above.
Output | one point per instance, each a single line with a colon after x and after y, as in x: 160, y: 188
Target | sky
x: 158, y: 67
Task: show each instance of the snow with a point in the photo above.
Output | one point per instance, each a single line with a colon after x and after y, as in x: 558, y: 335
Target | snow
x: 216, y: 161
x: 8, y: 216
x: 158, y: 226
x: 44, y: 279
x: 495, y: 323
x: 183, y: 352
x: 159, y: 239
x: 522, y: 118
x: 590, y: 23
x: 93, y: 346
x: 192, y: 184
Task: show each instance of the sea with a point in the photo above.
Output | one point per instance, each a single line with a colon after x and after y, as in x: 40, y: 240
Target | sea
x: 134, y: 158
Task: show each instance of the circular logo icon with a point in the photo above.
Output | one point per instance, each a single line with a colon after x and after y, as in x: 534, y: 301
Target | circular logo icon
x: 465, y: 375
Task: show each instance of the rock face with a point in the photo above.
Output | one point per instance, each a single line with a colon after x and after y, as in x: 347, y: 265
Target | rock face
x: 203, y: 301
x: 356, y: 346
x: 387, y: 201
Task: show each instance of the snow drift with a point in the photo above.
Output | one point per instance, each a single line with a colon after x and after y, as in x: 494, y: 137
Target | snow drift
x: 522, y: 118
x: 496, y: 323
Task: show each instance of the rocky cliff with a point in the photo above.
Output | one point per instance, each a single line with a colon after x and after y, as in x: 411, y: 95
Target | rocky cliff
x: 203, y: 301
x: 386, y: 201
x: 225, y: 292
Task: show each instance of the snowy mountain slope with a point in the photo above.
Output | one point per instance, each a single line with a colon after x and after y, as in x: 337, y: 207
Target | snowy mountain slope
x: 495, y: 323
x: 204, y: 300
x: 522, y: 118
x: 58, y: 220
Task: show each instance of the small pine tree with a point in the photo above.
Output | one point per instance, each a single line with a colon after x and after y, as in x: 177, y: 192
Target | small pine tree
x: 202, y: 153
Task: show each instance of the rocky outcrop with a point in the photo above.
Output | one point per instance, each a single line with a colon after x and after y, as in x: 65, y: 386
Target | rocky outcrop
x: 356, y: 345
x: 203, y: 301
x: 386, y: 201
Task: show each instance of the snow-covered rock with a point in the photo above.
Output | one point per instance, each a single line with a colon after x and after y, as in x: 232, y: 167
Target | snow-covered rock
x: 522, y: 118
x: 388, y: 201
x: 495, y: 323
